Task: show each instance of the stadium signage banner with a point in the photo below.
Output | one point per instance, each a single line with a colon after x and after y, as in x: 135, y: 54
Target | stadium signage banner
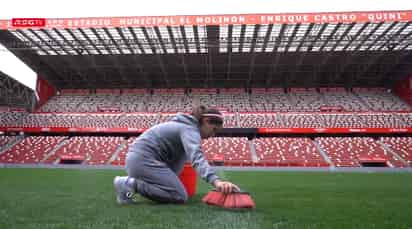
x: 260, y: 130
x: 229, y: 19
x: 332, y: 130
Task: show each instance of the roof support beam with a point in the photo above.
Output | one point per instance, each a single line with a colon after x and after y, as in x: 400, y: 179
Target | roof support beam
x: 80, y: 52
x: 295, y: 30
x: 267, y: 36
x: 195, y: 32
x: 242, y: 37
x: 158, y: 57
x: 213, y: 50
x: 253, y: 53
x: 399, y: 58
x: 302, y: 55
x: 13, y: 93
x: 229, y: 51
x: 185, y: 70
x: 277, y: 57
x: 135, y: 58
x: 350, y: 54
x: 111, y: 55
x: 30, y: 57
x: 92, y: 55
x: 327, y: 57
x: 56, y: 71
x: 72, y: 65
x: 356, y: 50
x: 374, y: 59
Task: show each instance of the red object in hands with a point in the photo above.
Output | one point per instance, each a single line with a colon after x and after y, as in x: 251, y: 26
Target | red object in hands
x: 214, y: 198
x: 234, y: 200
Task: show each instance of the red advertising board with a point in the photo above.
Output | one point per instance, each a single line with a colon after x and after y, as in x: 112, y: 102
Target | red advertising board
x: 225, y: 19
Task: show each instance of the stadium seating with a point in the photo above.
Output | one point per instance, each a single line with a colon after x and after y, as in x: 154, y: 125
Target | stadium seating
x: 132, y: 102
x: 234, y: 151
x: 348, y: 120
x: 347, y: 151
x: 230, y: 100
x: 140, y: 121
x: 305, y: 101
x: 11, y: 118
x: 30, y: 150
x: 262, y: 108
x: 402, y: 146
x: 169, y: 103
x: 380, y: 99
x: 243, y: 120
x: 288, y: 152
x: 256, y: 120
x: 95, y: 150
x: 5, y: 140
x: 276, y: 100
x: 63, y: 103
x: 406, y: 118
x: 381, y: 120
x: 339, y: 97
x: 120, y: 158
x: 230, y: 120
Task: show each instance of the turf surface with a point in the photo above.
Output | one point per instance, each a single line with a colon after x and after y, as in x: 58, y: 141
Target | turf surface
x: 65, y: 198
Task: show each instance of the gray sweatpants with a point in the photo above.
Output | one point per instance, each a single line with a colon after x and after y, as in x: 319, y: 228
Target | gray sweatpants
x: 155, y: 180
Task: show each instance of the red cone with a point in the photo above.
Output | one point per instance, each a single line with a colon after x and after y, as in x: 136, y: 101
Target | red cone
x: 243, y: 200
x: 234, y: 200
x: 213, y: 198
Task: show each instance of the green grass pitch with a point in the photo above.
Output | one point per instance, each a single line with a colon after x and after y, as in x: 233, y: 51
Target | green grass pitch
x: 66, y: 198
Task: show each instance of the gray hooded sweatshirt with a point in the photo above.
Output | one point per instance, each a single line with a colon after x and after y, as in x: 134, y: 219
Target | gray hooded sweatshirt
x: 175, y: 142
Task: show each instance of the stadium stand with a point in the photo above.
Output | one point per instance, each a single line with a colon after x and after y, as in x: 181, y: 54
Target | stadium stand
x: 10, y: 118
x: 241, y: 69
x: 232, y: 100
x: 120, y: 158
x: 5, y: 140
x: 305, y: 100
x: 234, y: 151
x: 30, y: 150
x: 350, y: 151
x: 401, y: 146
x: 380, y: 99
x: 140, y: 121
x: 282, y: 151
x: 94, y: 150
x: 257, y: 120
x: 339, y: 97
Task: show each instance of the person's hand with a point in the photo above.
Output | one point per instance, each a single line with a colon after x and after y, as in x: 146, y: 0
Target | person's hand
x: 225, y: 186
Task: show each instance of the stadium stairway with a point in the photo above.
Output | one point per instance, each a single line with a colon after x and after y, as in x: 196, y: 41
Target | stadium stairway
x: 11, y: 144
x: 117, y: 151
x: 253, y: 151
x: 237, y: 120
x: 323, y: 153
x: 58, y: 146
x: 390, y: 151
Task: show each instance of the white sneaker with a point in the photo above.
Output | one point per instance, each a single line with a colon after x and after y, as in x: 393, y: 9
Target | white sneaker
x: 125, y: 189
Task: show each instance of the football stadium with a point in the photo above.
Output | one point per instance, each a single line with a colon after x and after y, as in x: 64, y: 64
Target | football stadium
x: 316, y: 106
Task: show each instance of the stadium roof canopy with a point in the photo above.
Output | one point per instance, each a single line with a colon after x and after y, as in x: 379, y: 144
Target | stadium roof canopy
x: 250, y: 50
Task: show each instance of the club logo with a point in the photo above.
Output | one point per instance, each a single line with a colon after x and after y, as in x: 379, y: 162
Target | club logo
x: 28, y: 22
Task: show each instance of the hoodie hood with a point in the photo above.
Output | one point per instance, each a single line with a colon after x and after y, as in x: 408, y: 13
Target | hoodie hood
x: 186, y: 119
